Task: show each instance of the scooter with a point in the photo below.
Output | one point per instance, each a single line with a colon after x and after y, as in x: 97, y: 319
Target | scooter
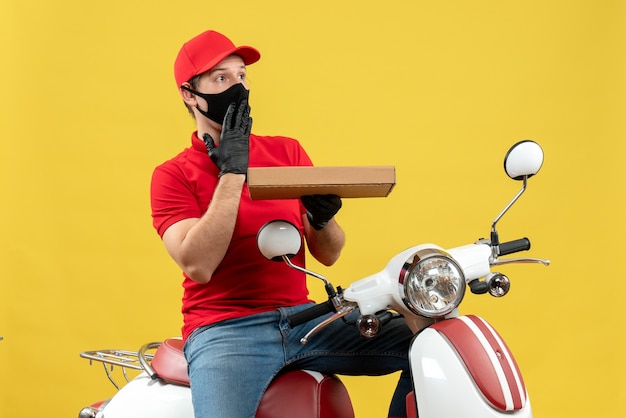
x: 460, y: 365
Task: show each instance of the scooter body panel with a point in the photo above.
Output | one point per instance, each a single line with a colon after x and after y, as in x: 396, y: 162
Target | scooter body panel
x: 143, y: 397
x: 459, y: 371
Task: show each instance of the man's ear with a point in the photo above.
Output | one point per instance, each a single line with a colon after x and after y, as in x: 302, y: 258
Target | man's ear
x: 188, y: 97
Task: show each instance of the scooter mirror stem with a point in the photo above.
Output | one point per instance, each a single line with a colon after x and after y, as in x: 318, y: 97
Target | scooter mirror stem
x: 494, y: 233
x: 305, y: 271
x: 330, y: 289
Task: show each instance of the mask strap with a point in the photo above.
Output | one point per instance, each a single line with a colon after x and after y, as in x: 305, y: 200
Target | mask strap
x: 197, y: 93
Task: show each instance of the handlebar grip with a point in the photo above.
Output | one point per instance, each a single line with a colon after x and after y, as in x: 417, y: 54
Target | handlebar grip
x: 310, y: 313
x: 522, y: 244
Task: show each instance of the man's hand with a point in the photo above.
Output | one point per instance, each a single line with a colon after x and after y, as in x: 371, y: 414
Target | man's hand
x: 231, y: 154
x: 320, y: 208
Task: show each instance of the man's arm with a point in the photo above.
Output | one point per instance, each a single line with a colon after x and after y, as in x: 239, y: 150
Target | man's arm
x: 324, y: 244
x: 324, y: 236
x: 198, y: 245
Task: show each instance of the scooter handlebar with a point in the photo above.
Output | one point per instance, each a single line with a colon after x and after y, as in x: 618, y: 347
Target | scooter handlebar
x: 310, y: 313
x: 522, y: 244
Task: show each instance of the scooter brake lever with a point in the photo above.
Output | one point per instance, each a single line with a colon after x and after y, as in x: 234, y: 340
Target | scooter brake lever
x: 341, y: 312
x: 502, y: 261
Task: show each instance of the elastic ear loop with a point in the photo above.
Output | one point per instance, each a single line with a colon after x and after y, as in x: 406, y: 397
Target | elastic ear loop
x: 189, y: 90
x: 197, y: 93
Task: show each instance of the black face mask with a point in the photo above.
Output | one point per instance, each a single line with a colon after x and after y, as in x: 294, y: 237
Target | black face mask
x: 218, y: 103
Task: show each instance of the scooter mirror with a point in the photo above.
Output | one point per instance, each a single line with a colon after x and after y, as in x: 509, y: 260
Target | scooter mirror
x: 278, y: 238
x: 523, y: 159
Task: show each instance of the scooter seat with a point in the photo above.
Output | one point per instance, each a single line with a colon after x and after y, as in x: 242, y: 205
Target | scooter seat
x: 292, y: 394
x: 170, y: 363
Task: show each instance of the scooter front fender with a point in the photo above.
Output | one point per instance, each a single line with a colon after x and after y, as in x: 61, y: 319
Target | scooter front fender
x: 462, y: 368
x: 143, y: 397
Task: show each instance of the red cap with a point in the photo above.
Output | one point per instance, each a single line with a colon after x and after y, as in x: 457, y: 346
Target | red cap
x: 205, y: 51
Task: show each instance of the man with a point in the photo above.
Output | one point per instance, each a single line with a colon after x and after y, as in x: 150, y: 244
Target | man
x: 235, y: 302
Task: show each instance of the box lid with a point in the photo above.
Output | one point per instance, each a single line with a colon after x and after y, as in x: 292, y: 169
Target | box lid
x: 292, y: 182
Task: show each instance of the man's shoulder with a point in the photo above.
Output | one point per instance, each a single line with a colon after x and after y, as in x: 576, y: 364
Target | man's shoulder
x: 274, y: 142
x: 268, y: 150
x: 273, y: 138
x: 181, y: 156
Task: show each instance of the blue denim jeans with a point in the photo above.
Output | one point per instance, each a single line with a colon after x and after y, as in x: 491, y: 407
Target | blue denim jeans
x: 231, y: 363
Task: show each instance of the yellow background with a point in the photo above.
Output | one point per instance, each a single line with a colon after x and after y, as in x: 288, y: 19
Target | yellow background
x: 440, y: 89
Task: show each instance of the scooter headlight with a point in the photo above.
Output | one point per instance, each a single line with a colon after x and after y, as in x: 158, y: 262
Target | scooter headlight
x: 432, y: 283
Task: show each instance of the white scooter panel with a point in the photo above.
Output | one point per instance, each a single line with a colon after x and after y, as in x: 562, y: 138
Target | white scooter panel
x: 461, y: 367
x: 143, y: 397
